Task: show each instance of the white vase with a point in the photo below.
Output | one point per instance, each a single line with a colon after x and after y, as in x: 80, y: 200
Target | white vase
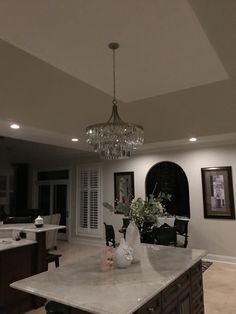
x: 38, y: 222
x: 123, y: 254
x: 133, y: 240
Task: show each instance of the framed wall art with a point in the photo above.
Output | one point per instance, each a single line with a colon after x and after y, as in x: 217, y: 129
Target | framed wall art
x: 124, y: 188
x: 217, y: 187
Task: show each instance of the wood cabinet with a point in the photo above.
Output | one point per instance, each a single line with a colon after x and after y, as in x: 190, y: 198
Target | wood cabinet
x: 183, y: 296
x: 15, y: 264
x: 152, y: 306
x: 197, y: 289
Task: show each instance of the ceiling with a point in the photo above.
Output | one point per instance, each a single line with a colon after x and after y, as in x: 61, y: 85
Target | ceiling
x: 163, y: 46
x: 20, y: 151
x: 175, y: 67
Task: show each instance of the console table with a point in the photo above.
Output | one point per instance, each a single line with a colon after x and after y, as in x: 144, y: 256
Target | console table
x: 21, y: 259
x: 167, y: 280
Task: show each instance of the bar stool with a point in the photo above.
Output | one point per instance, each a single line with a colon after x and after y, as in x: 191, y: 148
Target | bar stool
x: 56, y: 308
x: 51, y: 257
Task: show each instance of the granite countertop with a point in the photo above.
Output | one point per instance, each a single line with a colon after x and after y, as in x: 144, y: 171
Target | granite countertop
x: 30, y: 227
x: 9, y: 243
x: 84, y: 286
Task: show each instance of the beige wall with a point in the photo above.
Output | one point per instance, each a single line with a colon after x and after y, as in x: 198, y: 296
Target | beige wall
x: 217, y: 236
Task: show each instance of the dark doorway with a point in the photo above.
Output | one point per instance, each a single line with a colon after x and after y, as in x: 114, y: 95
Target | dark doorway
x: 53, y: 195
x: 170, y: 178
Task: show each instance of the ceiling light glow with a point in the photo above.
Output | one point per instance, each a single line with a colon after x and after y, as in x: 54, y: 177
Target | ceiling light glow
x: 15, y: 126
x: 74, y: 139
x: 193, y: 139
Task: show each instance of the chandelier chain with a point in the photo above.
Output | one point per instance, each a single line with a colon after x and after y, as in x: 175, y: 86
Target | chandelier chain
x: 114, y: 79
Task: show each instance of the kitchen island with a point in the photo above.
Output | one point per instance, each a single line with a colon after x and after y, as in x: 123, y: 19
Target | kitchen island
x: 31, y: 232
x: 16, y: 262
x: 167, y: 280
x: 21, y: 259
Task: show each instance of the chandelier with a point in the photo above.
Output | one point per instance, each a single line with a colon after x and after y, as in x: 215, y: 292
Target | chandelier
x: 114, y: 139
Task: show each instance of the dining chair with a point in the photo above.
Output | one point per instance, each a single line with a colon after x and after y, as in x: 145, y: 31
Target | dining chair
x: 146, y: 233
x: 110, y: 235
x: 147, y: 236
x: 126, y: 222
x: 181, y: 227
x: 55, y: 220
x: 165, y: 235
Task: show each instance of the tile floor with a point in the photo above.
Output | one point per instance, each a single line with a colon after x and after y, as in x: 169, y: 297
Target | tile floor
x: 219, y: 280
x: 219, y: 283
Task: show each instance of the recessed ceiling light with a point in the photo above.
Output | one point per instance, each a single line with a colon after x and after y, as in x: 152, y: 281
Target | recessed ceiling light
x: 193, y: 139
x: 74, y: 139
x: 15, y: 126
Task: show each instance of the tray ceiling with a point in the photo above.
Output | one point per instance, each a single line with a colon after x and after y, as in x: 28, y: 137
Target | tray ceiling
x: 163, y: 47
x: 176, y: 69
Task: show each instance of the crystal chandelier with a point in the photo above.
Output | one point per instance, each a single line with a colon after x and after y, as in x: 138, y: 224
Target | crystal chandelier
x: 114, y: 139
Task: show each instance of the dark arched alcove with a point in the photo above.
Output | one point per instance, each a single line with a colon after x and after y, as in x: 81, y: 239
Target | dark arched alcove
x: 170, y: 178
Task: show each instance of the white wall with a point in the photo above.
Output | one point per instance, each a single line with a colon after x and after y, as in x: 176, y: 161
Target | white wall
x: 217, y: 236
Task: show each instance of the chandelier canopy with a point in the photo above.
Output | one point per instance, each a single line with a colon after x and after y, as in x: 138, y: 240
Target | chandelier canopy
x: 114, y: 139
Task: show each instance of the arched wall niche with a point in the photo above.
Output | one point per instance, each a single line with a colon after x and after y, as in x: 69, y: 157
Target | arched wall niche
x: 169, y: 177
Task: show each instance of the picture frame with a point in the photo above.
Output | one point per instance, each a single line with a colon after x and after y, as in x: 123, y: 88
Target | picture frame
x: 123, y: 188
x: 217, y: 188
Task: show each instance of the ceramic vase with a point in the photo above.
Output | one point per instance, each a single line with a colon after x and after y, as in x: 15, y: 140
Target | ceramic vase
x: 123, y: 254
x: 107, y: 259
x: 133, y: 240
x: 38, y: 222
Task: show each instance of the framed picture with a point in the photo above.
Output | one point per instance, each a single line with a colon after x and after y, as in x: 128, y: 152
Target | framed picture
x: 218, y: 198
x: 124, y: 188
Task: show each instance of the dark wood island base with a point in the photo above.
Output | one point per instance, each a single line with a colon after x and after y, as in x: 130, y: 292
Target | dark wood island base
x: 15, y: 264
x: 183, y: 296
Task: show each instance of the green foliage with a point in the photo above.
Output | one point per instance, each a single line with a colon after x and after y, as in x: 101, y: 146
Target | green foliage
x: 141, y: 210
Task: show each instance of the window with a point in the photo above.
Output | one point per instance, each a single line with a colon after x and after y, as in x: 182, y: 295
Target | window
x: 3, y: 186
x: 6, y: 192
x: 170, y: 178
x: 53, y: 196
x: 88, y: 201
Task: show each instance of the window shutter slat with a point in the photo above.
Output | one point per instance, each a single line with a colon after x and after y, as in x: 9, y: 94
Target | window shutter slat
x: 89, y: 201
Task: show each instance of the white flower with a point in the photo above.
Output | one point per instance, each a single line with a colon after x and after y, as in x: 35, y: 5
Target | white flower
x: 141, y: 210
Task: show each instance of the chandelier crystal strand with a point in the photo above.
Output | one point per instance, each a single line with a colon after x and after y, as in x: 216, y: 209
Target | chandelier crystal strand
x: 114, y: 139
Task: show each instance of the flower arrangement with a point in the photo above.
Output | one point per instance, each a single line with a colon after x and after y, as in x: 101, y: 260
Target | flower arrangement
x: 142, y: 211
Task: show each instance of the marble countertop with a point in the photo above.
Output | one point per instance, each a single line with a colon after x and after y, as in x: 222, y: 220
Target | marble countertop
x: 30, y: 227
x: 9, y: 243
x: 84, y: 286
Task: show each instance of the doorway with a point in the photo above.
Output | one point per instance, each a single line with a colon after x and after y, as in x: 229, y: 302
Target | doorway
x: 52, y: 198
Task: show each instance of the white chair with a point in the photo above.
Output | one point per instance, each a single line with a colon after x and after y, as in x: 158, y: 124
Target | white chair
x: 51, y: 238
x: 55, y: 220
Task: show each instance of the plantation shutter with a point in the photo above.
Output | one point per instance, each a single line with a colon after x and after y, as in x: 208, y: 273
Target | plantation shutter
x: 89, y: 199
